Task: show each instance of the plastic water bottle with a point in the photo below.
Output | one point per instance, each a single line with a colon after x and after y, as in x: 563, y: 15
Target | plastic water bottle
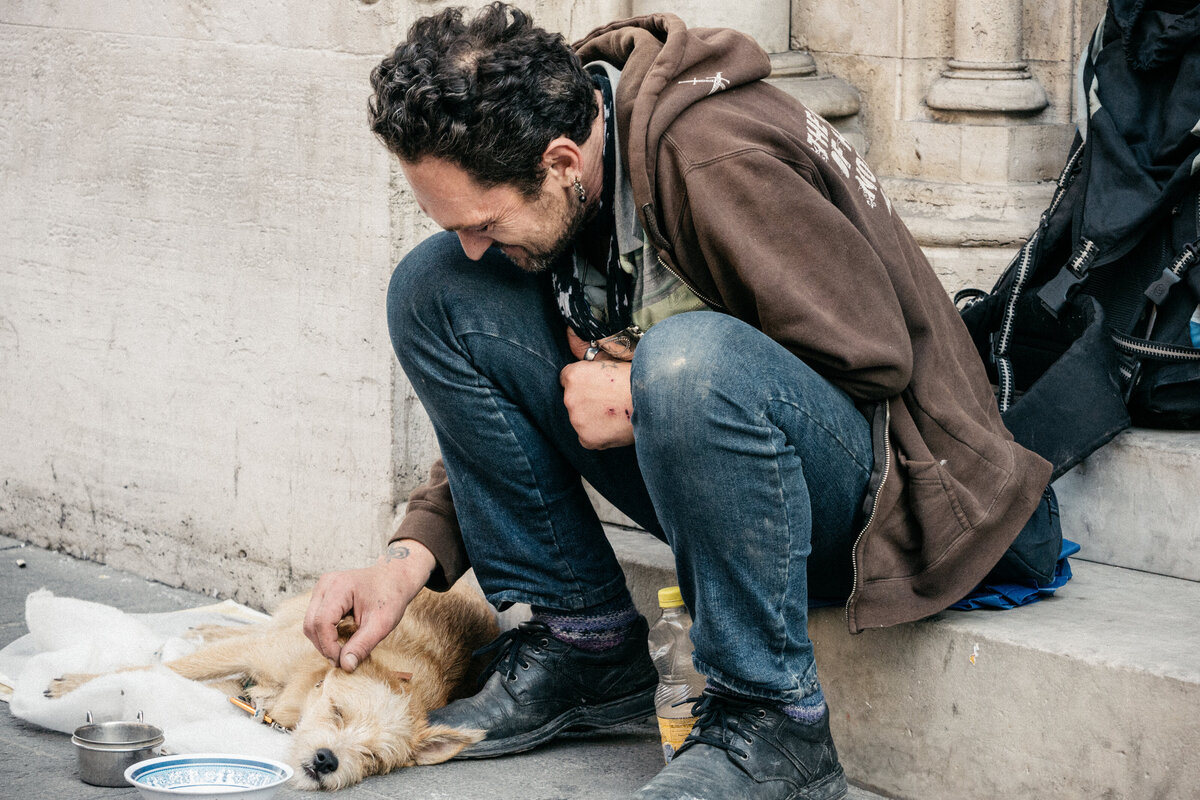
x: 671, y: 650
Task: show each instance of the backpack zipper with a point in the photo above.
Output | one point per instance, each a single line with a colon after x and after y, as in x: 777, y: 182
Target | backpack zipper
x: 1155, y: 350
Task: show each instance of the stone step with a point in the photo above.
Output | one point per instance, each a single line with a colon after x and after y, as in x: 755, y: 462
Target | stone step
x: 1134, y: 503
x: 1090, y: 693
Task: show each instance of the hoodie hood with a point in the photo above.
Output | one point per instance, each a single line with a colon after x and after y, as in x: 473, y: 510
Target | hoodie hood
x: 665, y: 68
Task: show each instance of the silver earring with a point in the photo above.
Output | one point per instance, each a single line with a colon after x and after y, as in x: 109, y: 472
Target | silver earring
x: 579, y: 192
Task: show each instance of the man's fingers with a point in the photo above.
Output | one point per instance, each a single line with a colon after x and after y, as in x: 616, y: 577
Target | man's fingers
x: 310, y: 613
x: 375, y: 596
x: 578, y: 346
x: 320, y: 623
x: 371, y: 632
x: 327, y: 642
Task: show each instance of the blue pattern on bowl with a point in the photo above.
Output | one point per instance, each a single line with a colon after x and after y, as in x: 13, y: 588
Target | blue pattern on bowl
x: 200, y: 774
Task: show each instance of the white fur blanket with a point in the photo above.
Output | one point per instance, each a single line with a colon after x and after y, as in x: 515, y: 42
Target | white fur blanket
x: 70, y: 635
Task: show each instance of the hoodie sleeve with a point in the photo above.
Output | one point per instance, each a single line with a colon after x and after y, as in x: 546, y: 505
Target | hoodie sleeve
x: 430, y: 520
x: 784, y: 257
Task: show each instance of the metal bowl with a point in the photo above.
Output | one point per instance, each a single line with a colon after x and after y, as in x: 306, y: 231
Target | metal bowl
x: 107, y: 749
x: 208, y: 776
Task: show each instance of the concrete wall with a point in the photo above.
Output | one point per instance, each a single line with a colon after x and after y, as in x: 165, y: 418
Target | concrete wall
x: 196, y: 382
x: 195, y: 377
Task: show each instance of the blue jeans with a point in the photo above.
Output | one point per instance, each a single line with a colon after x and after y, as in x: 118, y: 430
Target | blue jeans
x: 749, y: 464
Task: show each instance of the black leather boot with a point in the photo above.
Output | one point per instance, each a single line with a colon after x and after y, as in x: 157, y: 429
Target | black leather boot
x: 538, y: 687
x: 750, y: 751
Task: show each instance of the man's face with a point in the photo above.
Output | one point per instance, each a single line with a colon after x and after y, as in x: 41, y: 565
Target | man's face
x: 532, y: 232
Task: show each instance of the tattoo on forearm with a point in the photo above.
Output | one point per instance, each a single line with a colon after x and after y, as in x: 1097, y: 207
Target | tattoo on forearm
x: 395, y: 551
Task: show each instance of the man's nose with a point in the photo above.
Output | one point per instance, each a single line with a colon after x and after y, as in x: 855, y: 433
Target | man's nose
x: 474, y: 244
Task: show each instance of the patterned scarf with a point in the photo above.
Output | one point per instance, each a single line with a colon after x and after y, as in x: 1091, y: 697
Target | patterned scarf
x: 564, y: 278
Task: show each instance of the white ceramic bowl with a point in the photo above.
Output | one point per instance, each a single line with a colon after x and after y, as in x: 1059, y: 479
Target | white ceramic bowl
x: 208, y: 776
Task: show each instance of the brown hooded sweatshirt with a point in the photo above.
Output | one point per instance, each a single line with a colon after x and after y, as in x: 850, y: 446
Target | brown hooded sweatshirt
x: 767, y: 214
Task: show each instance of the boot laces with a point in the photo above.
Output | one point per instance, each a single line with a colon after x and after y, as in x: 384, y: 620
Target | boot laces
x: 724, y: 722
x: 510, y: 647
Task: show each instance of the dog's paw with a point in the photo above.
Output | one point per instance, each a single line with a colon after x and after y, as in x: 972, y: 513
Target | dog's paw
x: 66, y: 684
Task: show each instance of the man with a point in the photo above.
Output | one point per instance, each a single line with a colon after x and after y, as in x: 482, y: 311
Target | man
x: 804, y: 416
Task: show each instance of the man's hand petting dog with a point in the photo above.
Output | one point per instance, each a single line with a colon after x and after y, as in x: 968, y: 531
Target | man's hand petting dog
x: 598, y: 397
x: 377, y: 597
x: 346, y: 725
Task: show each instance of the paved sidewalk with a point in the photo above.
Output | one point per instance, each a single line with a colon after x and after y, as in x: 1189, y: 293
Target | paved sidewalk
x: 36, y: 764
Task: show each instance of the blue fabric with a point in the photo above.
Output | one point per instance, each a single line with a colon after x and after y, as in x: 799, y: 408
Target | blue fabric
x: 1011, y: 595
x: 748, y: 463
x: 757, y: 467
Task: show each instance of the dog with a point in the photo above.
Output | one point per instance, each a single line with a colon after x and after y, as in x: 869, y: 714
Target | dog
x: 347, y: 726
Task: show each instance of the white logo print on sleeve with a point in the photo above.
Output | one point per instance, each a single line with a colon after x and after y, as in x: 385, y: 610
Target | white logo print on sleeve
x: 718, y: 82
x: 829, y: 144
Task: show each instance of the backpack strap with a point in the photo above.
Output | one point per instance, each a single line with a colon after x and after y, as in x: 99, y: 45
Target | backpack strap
x: 1157, y: 291
x: 1020, y: 269
x: 1134, y: 349
x: 1059, y: 289
x: 970, y: 296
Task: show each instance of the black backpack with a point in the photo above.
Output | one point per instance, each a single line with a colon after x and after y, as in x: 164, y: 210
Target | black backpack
x: 1096, y: 323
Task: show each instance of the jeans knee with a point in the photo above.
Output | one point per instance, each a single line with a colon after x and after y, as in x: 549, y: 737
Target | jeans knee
x: 436, y: 291
x: 681, y: 360
x: 439, y: 302
x: 415, y: 284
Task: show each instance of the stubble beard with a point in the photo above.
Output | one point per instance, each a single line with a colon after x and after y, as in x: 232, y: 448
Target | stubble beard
x: 570, y: 222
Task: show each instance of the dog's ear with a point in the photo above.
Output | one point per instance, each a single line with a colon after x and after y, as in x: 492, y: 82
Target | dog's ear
x: 434, y: 744
x: 346, y: 629
x: 397, y: 680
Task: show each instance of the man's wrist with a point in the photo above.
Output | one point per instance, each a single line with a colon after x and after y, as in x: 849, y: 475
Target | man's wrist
x: 410, y: 556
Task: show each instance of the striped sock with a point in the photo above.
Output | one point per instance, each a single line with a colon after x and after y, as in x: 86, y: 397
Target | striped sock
x: 808, y: 709
x: 595, y: 629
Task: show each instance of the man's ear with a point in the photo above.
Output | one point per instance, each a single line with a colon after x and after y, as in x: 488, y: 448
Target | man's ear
x: 437, y: 743
x: 563, y: 159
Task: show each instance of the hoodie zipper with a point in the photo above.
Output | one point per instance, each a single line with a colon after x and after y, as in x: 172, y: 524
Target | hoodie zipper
x: 706, y: 300
x: 887, y: 468
x: 650, y: 225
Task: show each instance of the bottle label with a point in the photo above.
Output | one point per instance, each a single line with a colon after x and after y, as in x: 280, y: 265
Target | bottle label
x: 673, y: 732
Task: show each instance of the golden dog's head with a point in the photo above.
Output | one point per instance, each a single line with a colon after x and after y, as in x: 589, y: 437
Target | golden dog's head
x: 362, y: 723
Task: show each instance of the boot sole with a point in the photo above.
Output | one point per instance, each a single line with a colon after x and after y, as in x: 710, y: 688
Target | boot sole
x: 621, y: 711
x: 831, y: 787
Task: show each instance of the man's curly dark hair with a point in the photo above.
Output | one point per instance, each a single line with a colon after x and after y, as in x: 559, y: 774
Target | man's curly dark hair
x: 488, y: 95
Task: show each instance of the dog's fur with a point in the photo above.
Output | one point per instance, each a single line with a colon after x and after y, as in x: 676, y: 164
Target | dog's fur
x: 371, y: 720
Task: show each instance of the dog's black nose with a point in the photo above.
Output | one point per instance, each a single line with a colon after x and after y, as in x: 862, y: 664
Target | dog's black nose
x: 324, y: 761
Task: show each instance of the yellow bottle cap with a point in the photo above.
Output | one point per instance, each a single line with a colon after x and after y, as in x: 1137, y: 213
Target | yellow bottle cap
x: 670, y: 597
